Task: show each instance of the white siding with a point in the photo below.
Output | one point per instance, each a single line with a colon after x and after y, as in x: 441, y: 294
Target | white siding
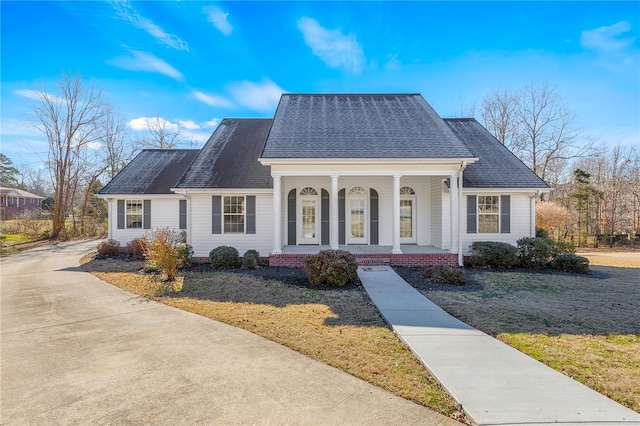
x: 164, y: 212
x: 203, y: 240
x: 520, y: 221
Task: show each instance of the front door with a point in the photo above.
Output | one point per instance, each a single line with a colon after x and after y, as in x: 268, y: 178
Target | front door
x: 308, y: 217
x: 357, y: 216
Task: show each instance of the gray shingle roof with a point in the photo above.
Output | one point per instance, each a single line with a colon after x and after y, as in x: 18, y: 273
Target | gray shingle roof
x: 360, y: 126
x: 152, y: 171
x: 497, y: 167
x: 230, y: 157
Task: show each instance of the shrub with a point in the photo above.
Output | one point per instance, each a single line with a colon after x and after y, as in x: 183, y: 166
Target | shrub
x: 251, y: 259
x: 331, y: 267
x: 571, y: 262
x: 542, y: 233
x: 185, y: 254
x: 136, y: 247
x: 162, y: 252
x: 109, y: 248
x: 445, y: 274
x: 534, y: 252
x: 559, y: 247
x: 490, y: 253
x: 224, y: 257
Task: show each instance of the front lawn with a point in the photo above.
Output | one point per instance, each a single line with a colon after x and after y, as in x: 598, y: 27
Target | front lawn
x: 585, y: 326
x: 338, y: 326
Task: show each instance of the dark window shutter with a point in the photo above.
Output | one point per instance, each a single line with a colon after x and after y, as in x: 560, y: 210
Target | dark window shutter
x: 341, y: 216
x: 183, y: 214
x: 120, y: 214
x: 216, y: 217
x: 505, y: 214
x: 373, y: 217
x: 324, y: 217
x: 472, y: 212
x: 146, y: 220
x: 251, y: 214
x: 291, y: 218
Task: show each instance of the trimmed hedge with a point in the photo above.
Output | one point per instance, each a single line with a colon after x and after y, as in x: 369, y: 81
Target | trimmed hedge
x: 330, y: 267
x: 571, y: 262
x: 494, y: 254
x: 445, y: 274
x: 251, y: 259
x: 534, y: 252
x: 224, y: 257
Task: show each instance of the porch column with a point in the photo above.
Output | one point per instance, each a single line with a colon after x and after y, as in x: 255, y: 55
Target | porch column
x: 334, y: 237
x: 453, y: 197
x: 277, y: 216
x: 396, y: 216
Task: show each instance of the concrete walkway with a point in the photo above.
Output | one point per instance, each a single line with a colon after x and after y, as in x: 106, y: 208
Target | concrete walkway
x: 494, y: 383
x: 76, y: 350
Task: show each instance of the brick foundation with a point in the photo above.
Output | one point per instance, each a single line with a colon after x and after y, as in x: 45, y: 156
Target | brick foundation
x: 421, y: 260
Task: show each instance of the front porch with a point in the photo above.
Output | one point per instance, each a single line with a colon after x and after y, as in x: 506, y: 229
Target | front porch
x: 412, y: 255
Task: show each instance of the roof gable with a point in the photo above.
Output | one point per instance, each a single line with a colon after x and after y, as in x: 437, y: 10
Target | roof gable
x: 152, y: 171
x: 15, y: 192
x: 360, y: 126
x: 230, y: 157
x: 497, y: 166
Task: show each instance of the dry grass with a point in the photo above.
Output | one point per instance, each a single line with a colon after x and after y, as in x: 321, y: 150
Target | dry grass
x: 587, y: 327
x: 338, y: 326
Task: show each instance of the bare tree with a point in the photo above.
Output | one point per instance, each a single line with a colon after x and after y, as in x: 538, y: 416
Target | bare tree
x: 162, y: 134
x: 535, y: 124
x: 499, y: 116
x: 115, y: 143
x: 69, y: 120
x: 34, y: 180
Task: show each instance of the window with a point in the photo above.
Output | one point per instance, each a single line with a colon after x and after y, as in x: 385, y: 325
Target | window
x: 234, y: 214
x: 134, y: 214
x: 489, y: 214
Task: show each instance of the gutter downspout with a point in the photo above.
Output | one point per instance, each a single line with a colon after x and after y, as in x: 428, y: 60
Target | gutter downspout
x: 460, y: 221
x: 532, y: 209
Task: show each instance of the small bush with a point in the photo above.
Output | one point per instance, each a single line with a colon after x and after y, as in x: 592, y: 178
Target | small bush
x: 109, y: 248
x: 490, y: 253
x: 542, y: 233
x: 571, y: 262
x: 224, y: 257
x: 330, y: 267
x: 136, y: 247
x: 162, y: 251
x: 185, y: 254
x: 445, y: 274
x: 251, y: 259
x: 534, y: 252
x: 559, y: 247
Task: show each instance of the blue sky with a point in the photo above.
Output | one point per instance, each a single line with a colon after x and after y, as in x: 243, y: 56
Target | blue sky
x: 195, y: 62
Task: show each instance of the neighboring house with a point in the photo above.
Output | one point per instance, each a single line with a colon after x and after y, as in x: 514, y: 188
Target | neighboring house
x: 380, y: 175
x: 13, y: 202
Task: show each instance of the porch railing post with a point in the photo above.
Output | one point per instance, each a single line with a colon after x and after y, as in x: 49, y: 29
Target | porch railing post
x: 277, y: 215
x: 396, y: 216
x: 334, y: 222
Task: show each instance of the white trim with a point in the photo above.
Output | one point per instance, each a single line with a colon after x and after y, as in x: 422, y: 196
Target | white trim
x: 396, y: 216
x: 335, y: 214
x: 385, y: 161
x: 140, y: 195
x: 277, y: 215
x: 214, y: 191
x: 506, y: 191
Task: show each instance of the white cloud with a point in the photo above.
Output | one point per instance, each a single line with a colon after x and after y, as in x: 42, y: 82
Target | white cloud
x: 188, y: 124
x: 333, y: 47
x: 144, y: 123
x: 211, y: 100
x: 261, y: 97
x: 219, y: 19
x: 37, y: 95
x: 128, y: 13
x: 607, y: 38
x: 144, y: 61
x: 211, y: 123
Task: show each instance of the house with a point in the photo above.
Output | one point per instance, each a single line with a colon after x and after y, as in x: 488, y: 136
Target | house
x: 14, y: 201
x: 380, y: 175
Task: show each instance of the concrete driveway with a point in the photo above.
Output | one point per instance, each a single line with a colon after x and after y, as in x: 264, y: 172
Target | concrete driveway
x: 75, y: 350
